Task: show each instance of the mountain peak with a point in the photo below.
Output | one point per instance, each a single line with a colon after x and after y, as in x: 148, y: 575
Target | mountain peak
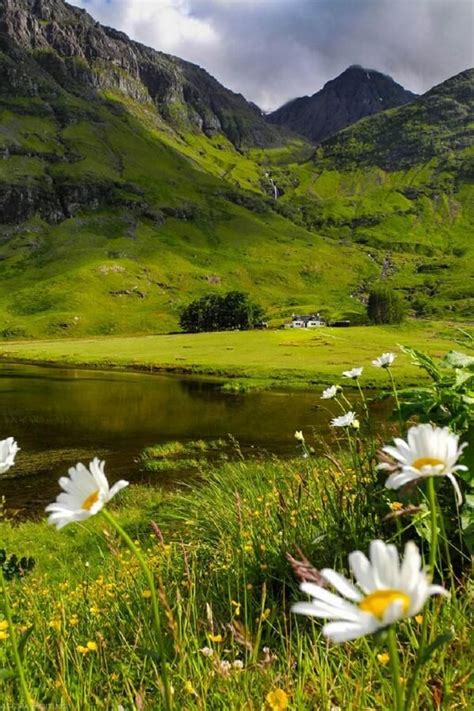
x: 355, y: 93
x: 435, y: 125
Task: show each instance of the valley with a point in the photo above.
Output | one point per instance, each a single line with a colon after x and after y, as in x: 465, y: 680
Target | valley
x: 124, y: 194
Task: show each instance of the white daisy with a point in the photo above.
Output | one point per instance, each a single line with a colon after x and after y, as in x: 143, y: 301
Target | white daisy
x: 347, y: 420
x: 428, y: 451
x: 8, y: 450
x: 354, y: 373
x: 387, y: 590
x: 329, y: 393
x: 299, y: 436
x: 384, y: 361
x: 85, y: 492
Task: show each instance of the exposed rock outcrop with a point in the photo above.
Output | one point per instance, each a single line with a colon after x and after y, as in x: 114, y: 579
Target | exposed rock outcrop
x: 80, y: 54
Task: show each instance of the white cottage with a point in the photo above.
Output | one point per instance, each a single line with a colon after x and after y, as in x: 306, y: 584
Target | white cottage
x: 307, y: 321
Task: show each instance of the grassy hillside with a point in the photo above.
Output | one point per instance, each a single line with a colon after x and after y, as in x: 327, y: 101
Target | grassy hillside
x: 116, y: 213
x: 400, y: 185
x: 152, y: 221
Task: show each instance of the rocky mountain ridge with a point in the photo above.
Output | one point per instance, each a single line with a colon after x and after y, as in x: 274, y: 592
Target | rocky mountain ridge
x: 438, y: 125
x: 80, y: 54
x: 354, y: 94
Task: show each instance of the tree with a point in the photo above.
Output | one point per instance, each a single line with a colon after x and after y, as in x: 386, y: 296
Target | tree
x: 213, y: 312
x: 385, y: 306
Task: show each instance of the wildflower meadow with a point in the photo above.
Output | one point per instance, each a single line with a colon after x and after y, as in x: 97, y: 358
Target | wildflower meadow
x: 339, y: 579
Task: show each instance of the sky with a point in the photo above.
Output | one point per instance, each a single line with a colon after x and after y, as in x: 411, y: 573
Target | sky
x: 275, y: 50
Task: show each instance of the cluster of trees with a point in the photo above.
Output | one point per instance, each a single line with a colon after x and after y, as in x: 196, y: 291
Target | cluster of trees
x: 236, y: 310
x: 215, y: 312
x: 385, y: 306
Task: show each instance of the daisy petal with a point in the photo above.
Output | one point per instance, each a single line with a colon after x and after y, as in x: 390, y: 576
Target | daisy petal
x: 342, y: 584
x: 346, y: 631
x: 457, y: 490
x: 118, y: 486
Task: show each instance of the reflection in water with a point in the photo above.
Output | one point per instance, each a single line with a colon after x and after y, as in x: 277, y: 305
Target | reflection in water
x: 62, y: 416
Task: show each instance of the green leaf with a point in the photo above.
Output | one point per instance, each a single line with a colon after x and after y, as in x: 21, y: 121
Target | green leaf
x: 23, y: 640
x: 456, y: 359
x: 423, y: 361
x: 439, y: 641
x: 6, y: 674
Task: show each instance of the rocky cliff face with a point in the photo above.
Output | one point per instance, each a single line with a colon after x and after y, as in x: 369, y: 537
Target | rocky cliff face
x: 81, y: 55
x: 356, y: 93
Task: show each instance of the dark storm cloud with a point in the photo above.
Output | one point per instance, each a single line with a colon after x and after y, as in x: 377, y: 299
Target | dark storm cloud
x: 273, y: 50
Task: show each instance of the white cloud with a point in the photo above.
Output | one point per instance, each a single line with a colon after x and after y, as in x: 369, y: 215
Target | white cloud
x: 167, y: 25
x: 274, y: 50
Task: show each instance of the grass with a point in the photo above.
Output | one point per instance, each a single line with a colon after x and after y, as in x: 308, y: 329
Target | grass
x: 180, y: 456
x: 254, y: 358
x: 237, y: 526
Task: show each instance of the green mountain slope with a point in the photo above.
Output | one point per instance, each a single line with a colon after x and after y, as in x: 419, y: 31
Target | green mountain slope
x: 113, y: 219
x: 132, y: 182
x: 400, y: 185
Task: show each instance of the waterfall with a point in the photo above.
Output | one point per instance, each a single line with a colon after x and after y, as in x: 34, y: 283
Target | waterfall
x: 272, y: 183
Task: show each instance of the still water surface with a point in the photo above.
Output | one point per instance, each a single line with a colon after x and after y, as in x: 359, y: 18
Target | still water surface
x: 61, y: 416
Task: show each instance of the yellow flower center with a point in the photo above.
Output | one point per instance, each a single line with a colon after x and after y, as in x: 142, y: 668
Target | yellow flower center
x: 426, y: 462
x: 377, y: 602
x: 92, y: 499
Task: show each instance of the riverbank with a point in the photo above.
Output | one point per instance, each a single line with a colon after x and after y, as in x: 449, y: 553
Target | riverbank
x: 284, y: 358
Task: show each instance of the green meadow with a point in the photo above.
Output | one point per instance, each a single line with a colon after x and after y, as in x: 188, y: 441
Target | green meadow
x: 273, y: 357
x: 219, y: 557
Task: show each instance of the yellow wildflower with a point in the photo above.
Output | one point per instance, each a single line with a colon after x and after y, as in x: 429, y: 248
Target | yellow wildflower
x: 146, y: 594
x: 92, y: 646
x: 383, y: 659
x: 55, y: 624
x: 189, y: 688
x: 419, y: 619
x: 396, y: 506
x: 3, y: 625
x: 3, y: 635
x: 215, y: 638
x: 81, y: 649
x: 277, y: 700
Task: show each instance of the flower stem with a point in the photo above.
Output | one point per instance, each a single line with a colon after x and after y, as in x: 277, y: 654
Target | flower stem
x: 154, y: 602
x: 364, y: 401
x: 434, y: 525
x: 432, y: 565
x: 395, y: 665
x: 16, y: 654
x: 447, y: 552
x: 397, y: 401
